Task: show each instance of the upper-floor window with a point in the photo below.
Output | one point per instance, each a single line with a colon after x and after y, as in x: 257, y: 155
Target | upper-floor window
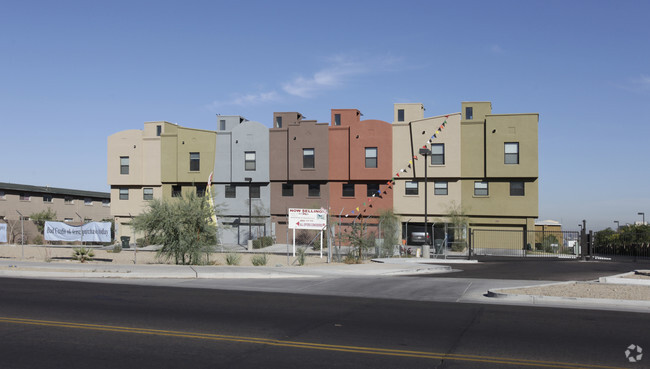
x: 469, y: 112
x: 147, y: 193
x: 255, y: 191
x: 24, y: 197
x: 200, y: 190
x: 67, y: 220
x: 400, y: 115
x: 124, y: 193
x: 371, y: 157
x: 337, y: 119
x: 222, y: 124
x: 88, y: 201
x: 481, y: 188
x: 69, y: 200
x: 410, y: 188
x: 511, y: 150
x: 278, y: 122
x: 106, y: 202
x: 314, y: 190
x: 308, y: 157
x: 195, y: 161
x: 517, y: 188
x: 438, y: 154
x: 287, y: 189
x: 158, y: 130
x: 176, y: 191
x: 124, y: 165
x: 2, y: 195
x: 249, y: 157
x: 231, y: 191
x: 372, y: 189
x: 440, y: 188
x: 48, y: 198
x: 348, y: 190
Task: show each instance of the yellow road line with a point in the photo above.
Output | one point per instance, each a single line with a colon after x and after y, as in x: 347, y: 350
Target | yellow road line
x: 304, y: 345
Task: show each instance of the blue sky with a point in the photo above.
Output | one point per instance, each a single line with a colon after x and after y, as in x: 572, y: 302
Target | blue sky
x: 74, y: 72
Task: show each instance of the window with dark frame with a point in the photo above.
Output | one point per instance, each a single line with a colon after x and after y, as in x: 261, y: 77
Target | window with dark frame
x: 517, y: 188
x: 372, y: 189
x: 511, y: 152
x: 24, y: 197
x: 69, y: 200
x: 308, y: 158
x: 348, y: 190
x: 469, y: 113
x: 440, y: 188
x: 124, y: 165
x: 410, y: 188
x: 88, y: 202
x: 438, y: 154
x: 124, y: 194
x: 158, y: 130
x: 255, y: 192
x: 230, y: 191
x: 371, y: 157
x: 287, y: 189
x: 400, y: 115
x: 481, y: 188
x: 195, y: 161
x: 106, y: 202
x: 48, y: 198
x: 337, y: 119
x: 176, y: 191
x: 200, y: 190
x: 314, y: 190
x: 249, y: 157
x: 147, y: 193
x: 222, y: 124
x: 278, y: 122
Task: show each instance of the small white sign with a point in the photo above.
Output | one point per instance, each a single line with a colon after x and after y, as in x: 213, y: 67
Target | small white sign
x: 3, y: 232
x: 307, y: 219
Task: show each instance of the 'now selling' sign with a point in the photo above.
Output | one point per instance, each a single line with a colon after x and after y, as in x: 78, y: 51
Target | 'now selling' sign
x: 307, y: 219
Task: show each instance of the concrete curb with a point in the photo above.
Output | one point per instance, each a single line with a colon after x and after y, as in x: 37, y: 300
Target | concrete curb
x: 621, y: 279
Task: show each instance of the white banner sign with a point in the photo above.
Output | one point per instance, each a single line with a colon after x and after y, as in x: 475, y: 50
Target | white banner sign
x: 3, y: 232
x: 92, y: 232
x: 307, y: 219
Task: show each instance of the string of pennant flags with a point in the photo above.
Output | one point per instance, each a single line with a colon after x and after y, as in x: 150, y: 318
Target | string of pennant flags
x: 409, y: 166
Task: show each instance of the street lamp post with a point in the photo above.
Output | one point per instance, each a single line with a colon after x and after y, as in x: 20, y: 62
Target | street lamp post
x: 618, y: 225
x: 250, y: 212
x: 643, y: 217
x: 425, y: 152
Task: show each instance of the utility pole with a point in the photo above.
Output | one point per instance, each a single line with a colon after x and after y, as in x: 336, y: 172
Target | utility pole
x: 425, y: 152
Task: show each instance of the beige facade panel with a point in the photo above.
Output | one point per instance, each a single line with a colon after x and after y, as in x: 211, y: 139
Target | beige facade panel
x: 125, y: 147
x: 508, y: 133
x: 499, y: 202
x: 407, y: 112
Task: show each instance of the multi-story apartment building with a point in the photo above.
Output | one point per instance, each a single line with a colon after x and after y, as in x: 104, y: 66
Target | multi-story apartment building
x: 73, y: 206
x: 481, y: 164
x: 299, y: 167
x: 161, y: 161
x: 241, y: 165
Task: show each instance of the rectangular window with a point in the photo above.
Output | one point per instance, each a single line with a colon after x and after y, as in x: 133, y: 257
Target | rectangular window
x: 249, y: 157
x: 469, y: 113
x: 222, y: 124
x: 371, y: 157
x: 437, y: 154
x: 480, y: 188
x: 308, y: 156
x: 88, y: 202
x: 511, y: 150
x: 287, y: 189
x: 195, y: 161
x: 147, y: 194
x: 2, y: 195
x: 67, y: 220
x: 124, y: 194
x: 200, y: 190
x: 106, y: 202
x: 348, y: 189
x: 278, y: 122
x: 440, y: 188
x: 47, y: 198
x: 176, y: 191
x: 124, y: 165
x: 255, y: 192
x: 158, y: 130
x: 231, y: 191
x: 372, y: 189
x: 314, y: 190
x: 24, y: 197
x: 400, y: 115
x: 337, y: 119
x: 411, y: 188
x: 68, y: 200
x: 517, y: 188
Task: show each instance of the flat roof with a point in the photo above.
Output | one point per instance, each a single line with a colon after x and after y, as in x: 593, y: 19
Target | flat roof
x: 53, y: 190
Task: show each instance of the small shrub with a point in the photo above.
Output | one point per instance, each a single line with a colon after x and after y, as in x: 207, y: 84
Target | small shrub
x: 38, y: 240
x: 82, y: 254
x: 259, y: 260
x: 301, y: 255
x: 233, y: 259
x: 117, y: 248
x: 263, y: 242
x: 352, y: 258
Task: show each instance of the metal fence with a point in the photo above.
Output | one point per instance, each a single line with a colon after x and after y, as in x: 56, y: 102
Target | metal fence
x: 634, y: 244
x: 522, y: 243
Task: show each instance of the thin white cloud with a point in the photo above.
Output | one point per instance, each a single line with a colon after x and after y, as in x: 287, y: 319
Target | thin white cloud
x: 248, y: 99
x: 643, y: 82
x: 496, y: 49
x: 638, y: 84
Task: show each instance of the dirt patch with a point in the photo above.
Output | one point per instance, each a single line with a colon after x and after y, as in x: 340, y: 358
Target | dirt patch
x: 587, y: 290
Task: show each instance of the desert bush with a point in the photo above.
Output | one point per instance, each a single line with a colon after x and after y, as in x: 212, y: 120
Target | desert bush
x: 259, y: 260
x: 301, y: 256
x: 82, y: 254
x: 38, y: 240
x: 233, y: 259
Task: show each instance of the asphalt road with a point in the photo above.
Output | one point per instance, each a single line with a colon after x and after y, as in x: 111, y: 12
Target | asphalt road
x: 55, y: 324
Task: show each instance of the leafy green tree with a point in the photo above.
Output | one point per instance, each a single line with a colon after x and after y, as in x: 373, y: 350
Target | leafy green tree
x: 41, y: 217
x: 183, y: 227
x: 389, y: 227
x: 359, y: 240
